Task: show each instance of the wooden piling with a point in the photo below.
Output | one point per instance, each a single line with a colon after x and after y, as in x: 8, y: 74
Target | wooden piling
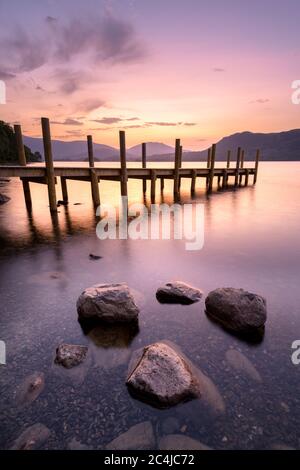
x: 64, y: 189
x: 193, y: 181
x: 93, y: 174
x: 242, y: 165
x: 256, y: 165
x: 224, y: 178
x: 176, y: 166
x: 123, y: 163
x: 212, y: 167
x: 153, y: 185
x: 22, y: 162
x: 162, y: 184
x: 180, y: 166
x: 208, y: 158
x: 228, y: 158
x: 49, y: 164
x: 247, y: 177
x: 144, y: 165
x: 238, y: 159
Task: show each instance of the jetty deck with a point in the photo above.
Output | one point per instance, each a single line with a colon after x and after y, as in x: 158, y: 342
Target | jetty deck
x: 48, y: 174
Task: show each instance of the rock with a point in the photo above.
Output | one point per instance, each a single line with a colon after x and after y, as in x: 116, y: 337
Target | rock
x: 32, y: 438
x: 74, y: 444
x: 138, y: 437
x: 180, y: 442
x: 281, y: 447
x: 239, y: 362
x: 110, y: 303
x: 3, y: 198
x: 70, y: 355
x: 94, y: 257
x: 30, y: 389
x: 178, y: 292
x: 237, y: 310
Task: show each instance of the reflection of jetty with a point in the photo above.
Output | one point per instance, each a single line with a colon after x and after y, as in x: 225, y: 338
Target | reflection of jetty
x: 48, y: 174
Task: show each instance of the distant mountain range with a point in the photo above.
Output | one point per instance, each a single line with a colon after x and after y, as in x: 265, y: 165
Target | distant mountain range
x: 278, y: 146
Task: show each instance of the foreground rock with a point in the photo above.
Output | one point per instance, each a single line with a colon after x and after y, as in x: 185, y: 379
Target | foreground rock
x: 138, y: 437
x: 180, y: 442
x: 239, y: 362
x: 30, y: 389
x: 237, y: 310
x: 3, y: 198
x: 70, y: 355
x: 32, y: 438
x: 110, y: 303
x: 162, y: 375
x: 178, y: 292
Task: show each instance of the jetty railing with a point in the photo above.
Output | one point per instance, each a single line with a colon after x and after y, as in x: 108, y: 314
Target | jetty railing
x: 47, y: 174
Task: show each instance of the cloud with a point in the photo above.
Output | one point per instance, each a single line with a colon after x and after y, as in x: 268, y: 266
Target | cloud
x: 113, y: 120
x: 23, y: 52
x: 190, y: 124
x: 260, y: 101
x: 50, y: 19
x: 6, y: 75
x: 69, y: 122
x: 89, y: 105
x: 218, y: 69
x: 162, y: 123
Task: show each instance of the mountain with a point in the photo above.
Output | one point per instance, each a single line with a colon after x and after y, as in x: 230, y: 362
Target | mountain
x: 274, y: 146
x: 8, y: 146
x: 153, y: 148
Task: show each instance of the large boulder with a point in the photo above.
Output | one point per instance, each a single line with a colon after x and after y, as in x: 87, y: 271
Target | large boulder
x: 178, y: 292
x: 237, y: 310
x: 138, y: 437
x: 161, y: 375
x: 109, y: 303
x: 70, y: 355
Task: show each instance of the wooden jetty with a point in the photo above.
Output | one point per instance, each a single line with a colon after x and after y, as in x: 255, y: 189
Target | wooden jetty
x: 48, y: 173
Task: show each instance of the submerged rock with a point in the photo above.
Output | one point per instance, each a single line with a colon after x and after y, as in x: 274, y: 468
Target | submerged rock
x: 138, y: 437
x: 70, y: 355
x: 163, y: 376
x: 32, y: 438
x: 94, y: 257
x: 4, y: 199
x: 110, y: 303
x: 30, y: 389
x: 180, y: 442
x: 239, y: 362
x: 237, y: 310
x: 178, y: 292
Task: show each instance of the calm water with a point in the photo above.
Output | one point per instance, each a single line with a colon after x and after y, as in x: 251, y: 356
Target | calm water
x: 251, y: 241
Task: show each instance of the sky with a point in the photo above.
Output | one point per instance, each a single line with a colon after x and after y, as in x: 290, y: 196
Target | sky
x: 159, y: 69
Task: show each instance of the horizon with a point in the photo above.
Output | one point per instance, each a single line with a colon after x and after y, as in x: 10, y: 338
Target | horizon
x: 96, y: 68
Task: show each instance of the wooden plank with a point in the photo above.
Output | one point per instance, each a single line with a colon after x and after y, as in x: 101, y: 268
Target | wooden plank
x: 123, y: 163
x: 49, y: 164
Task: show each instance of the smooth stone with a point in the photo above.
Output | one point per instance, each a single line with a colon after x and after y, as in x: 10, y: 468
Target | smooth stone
x: 180, y: 442
x: 240, y: 362
x: 161, y: 375
x: 30, y: 389
x: 4, y: 198
x: 138, y: 437
x: 178, y: 292
x: 32, y: 438
x: 70, y: 355
x: 237, y: 309
x: 108, y: 303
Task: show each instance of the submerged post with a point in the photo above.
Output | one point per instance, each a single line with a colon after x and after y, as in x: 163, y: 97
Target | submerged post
x: 238, y: 159
x: 144, y: 165
x: 123, y: 163
x: 212, y: 167
x: 22, y: 162
x: 64, y: 189
x: 49, y: 164
x: 93, y: 174
x: 256, y: 165
x: 176, y: 166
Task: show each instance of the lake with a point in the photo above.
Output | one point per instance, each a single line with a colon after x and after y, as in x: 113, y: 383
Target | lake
x: 251, y: 241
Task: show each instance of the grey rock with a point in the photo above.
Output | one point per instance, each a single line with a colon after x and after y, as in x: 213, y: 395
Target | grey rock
x: 138, y: 437
x: 30, y: 389
x: 180, y: 442
x: 32, y: 438
x: 70, y: 355
x: 178, y: 292
x: 3, y: 198
x: 237, y: 309
x: 110, y: 303
x: 240, y: 362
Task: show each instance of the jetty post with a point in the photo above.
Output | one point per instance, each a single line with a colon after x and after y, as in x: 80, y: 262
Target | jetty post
x: 123, y: 178
x: 193, y: 181
x: 49, y: 164
x: 93, y: 174
x: 22, y: 162
x: 176, y: 166
x: 212, y: 167
x: 237, y: 168
x: 242, y: 165
x: 144, y: 165
x: 257, y: 157
x: 180, y: 165
x: 228, y: 158
x: 208, y: 162
x: 153, y: 184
